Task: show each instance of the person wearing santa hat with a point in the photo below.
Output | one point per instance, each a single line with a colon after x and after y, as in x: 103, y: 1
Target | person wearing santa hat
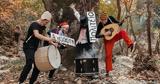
x: 64, y: 27
x: 30, y: 45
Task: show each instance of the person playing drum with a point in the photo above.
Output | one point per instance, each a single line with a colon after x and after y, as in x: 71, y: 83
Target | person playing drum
x: 30, y: 45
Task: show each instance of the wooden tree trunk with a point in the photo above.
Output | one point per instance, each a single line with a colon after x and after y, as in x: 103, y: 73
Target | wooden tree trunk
x: 130, y: 18
x: 119, y: 10
x: 149, y: 26
x: 51, y: 6
x: 158, y: 44
x: 128, y: 6
x: 157, y: 47
x: 54, y: 7
x: 118, y: 18
x: 132, y: 30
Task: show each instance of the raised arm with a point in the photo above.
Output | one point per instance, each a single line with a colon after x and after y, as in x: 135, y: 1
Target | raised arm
x: 115, y: 21
x: 76, y: 13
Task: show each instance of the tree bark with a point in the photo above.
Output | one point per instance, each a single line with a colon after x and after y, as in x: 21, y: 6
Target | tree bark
x: 54, y: 6
x: 149, y: 26
x: 119, y: 10
x: 157, y: 44
x: 132, y: 30
x: 118, y: 18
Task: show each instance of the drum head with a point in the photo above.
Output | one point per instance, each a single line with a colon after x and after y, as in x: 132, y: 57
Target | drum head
x: 54, y: 56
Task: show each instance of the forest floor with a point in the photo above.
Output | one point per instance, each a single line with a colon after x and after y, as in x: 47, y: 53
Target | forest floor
x: 10, y: 68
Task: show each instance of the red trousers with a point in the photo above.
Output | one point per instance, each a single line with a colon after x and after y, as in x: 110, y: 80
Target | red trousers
x: 109, y: 44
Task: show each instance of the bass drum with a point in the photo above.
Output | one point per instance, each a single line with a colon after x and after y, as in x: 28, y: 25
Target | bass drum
x: 47, y: 58
x: 86, y: 66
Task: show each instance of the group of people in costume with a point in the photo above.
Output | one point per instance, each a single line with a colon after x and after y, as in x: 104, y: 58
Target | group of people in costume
x: 35, y: 35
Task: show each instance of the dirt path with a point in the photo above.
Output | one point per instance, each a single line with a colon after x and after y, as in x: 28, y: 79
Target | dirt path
x: 10, y: 69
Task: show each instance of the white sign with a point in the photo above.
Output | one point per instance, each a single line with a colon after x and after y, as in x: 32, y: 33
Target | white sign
x: 92, y: 25
x: 63, y: 39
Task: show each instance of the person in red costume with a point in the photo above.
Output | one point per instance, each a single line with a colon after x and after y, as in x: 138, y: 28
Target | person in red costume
x: 109, y: 44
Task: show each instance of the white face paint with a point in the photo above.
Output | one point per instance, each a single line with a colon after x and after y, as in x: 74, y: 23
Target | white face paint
x: 104, y: 21
x: 65, y: 28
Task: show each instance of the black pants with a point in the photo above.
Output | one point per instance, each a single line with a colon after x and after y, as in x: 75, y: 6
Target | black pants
x: 51, y: 72
x: 29, y: 54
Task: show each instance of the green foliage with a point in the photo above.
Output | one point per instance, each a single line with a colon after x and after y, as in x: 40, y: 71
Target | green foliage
x: 18, y: 12
x: 157, y: 2
x: 21, y: 11
x: 30, y: 11
x: 110, y: 9
x: 33, y: 5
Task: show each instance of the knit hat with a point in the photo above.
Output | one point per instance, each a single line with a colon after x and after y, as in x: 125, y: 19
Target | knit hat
x: 46, y: 15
